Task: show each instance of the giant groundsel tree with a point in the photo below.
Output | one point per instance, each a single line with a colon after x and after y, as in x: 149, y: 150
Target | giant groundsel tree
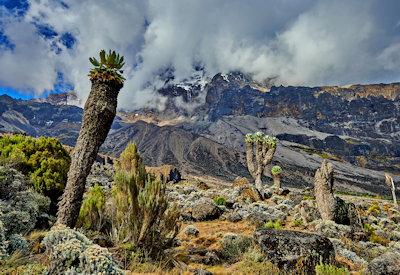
x: 263, y: 148
x: 99, y: 112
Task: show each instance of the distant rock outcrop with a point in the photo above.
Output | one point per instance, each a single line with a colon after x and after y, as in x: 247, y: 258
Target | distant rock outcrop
x: 290, y: 249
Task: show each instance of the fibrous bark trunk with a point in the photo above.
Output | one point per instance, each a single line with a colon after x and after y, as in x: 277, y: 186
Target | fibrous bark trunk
x: 263, y: 157
x: 99, y: 112
x: 323, y: 188
x: 390, y: 183
x: 277, y: 181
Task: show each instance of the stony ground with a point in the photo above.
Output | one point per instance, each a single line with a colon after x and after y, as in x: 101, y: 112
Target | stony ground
x: 225, y: 229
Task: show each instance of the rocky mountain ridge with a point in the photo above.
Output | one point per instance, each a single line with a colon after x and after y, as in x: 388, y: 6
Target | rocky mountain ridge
x: 356, y: 128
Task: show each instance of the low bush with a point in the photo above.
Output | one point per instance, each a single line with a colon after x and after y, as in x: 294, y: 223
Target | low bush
x: 91, y: 215
x: 233, y: 246
x: 273, y: 225
x: 219, y: 201
x: 138, y: 209
x: 327, y: 269
x: 21, y: 206
x: 253, y: 262
x: 44, y: 160
x: 71, y: 252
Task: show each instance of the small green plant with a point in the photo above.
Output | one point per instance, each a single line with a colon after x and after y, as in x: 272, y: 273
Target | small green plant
x: 378, y: 239
x: 327, y: 269
x: 373, y: 237
x: 374, y: 209
x: 219, y: 201
x: 273, y: 225
x: 308, y: 198
x: 276, y: 170
x: 92, y: 209
x: 368, y: 229
x: 108, y: 69
x: 298, y: 222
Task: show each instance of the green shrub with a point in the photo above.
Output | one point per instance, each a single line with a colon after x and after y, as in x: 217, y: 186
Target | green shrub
x: 71, y: 252
x: 273, y: 224
x: 91, y: 215
x: 17, y: 243
x: 219, y: 201
x: 20, y: 206
x: 233, y: 246
x: 378, y: 239
x: 373, y: 237
x: 298, y: 222
x: 19, y: 264
x: 139, y: 211
x: 43, y: 159
x: 253, y: 262
x: 327, y: 269
x: 374, y: 209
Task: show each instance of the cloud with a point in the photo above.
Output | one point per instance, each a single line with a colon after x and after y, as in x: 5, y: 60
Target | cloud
x: 305, y: 42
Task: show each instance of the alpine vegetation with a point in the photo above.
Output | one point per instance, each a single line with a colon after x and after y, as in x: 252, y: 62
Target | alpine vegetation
x: 276, y: 172
x: 99, y: 112
x: 139, y: 211
x: 263, y: 147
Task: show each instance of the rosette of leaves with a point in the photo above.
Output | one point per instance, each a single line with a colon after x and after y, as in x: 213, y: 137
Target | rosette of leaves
x: 276, y: 170
x: 108, y: 68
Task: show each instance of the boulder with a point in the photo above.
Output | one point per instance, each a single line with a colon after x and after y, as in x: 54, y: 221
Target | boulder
x: 168, y: 173
x: 295, y: 251
x: 191, y: 230
x: 331, y: 207
x: 386, y: 264
x: 205, y: 210
x: 330, y: 229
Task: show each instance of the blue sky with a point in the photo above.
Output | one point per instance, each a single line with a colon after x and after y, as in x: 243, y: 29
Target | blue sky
x: 45, y: 44
x: 19, y: 8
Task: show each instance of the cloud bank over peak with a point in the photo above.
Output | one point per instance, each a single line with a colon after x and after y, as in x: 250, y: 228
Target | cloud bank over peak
x: 305, y: 42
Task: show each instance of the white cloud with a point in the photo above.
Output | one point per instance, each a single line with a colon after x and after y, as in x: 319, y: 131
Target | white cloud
x: 300, y: 42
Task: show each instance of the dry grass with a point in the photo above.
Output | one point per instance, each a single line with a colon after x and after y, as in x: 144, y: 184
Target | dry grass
x: 212, y: 231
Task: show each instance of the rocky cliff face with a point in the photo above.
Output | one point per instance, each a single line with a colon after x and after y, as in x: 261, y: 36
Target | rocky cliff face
x: 356, y: 127
x: 362, y: 121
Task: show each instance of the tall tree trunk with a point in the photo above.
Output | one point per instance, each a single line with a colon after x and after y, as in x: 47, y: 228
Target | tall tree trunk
x: 323, y: 189
x: 390, y: 183
x: 249, y: 158
x: 277, y: 181
x: 99, y: 113
x: 260, y: 167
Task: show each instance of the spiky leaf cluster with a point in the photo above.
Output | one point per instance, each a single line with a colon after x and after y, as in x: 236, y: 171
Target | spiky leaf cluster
x: 276, y: 170
x: 262, y: 138
x: 108, y: 69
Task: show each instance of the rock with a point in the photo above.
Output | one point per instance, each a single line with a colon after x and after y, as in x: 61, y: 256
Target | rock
x: 240, y: 182
x: 386, y: 264
x: 330, y: 229
x: 330, y: 207
x: 346, y: 213
x: 348, y: 255
x: 308, y: 211
x: 289, y: 249
x: 234, y: 217
x: 168, y: 173
x: 205, y: 210
x: 249, y: 194
x: 191, y: 230
x: 201, y: 272
x: 323, y: 189
x: 281, y: 191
